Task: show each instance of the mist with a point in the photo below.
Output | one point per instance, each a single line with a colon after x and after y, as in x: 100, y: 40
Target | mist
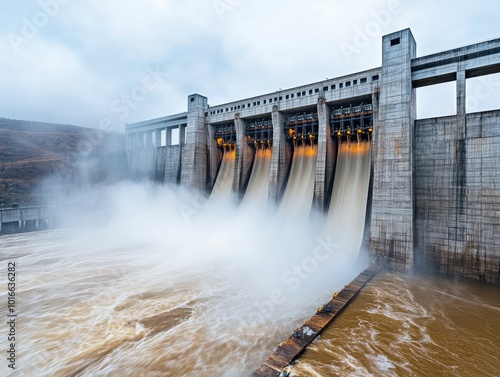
x: 194, y: 285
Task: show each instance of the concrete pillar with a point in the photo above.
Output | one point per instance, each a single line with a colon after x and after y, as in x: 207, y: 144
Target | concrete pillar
x: 325, y: 159
x: 461, y: 101
x: 244, y: 158
x: 158, y: 137
x: 214, y: 155
x: 280, y: 158
x: 194, y: 155
x: 182, y: 134
x: 168, y: 136
x: 392, y: 222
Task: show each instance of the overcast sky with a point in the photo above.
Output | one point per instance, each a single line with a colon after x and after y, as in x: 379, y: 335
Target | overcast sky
x: 85, y: 61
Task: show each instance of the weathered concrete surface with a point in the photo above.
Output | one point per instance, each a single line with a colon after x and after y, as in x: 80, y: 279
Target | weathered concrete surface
x: 194, y: 156
x: 280, y: 159
x: 27, y: 219
x: 244, y: 158
x: 214, y: 157
x: 457, y: 196
x: 325, y: 160
x: 392, y: 201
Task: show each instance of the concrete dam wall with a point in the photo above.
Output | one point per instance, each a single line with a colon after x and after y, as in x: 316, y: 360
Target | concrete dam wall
x: 457, y: 196
x: 433, y: 201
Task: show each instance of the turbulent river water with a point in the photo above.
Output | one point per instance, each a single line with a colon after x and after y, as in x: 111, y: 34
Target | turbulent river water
x: 163, y: 287
x: 403, y: 325
x: 162, y: 283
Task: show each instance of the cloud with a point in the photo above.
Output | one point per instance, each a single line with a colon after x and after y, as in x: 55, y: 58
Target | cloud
x: 91, y: 52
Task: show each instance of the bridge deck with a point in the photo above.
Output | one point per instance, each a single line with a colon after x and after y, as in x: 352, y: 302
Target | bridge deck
x: 296, y: 344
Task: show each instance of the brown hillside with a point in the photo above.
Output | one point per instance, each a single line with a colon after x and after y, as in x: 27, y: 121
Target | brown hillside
x: 30, y: 152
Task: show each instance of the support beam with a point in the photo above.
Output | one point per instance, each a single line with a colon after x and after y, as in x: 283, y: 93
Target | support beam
x: 392, y: 222
x: 461, y: 102
x: 280, y: 159
x: 244, y: 158
x: 214, y: 156
x: 194, y: 156
x: 324, y: 159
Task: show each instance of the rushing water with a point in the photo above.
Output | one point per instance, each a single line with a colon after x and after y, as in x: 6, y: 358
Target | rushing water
x: 402, y: 325
x: 164, y: 288
x: 224, y: 181
x: 258, y: 185
x: 299, y: 192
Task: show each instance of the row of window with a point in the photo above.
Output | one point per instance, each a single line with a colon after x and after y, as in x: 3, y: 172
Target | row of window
x: 341, y: 85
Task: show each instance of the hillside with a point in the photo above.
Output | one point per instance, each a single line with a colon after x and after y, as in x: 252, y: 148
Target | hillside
x: 31, y: 152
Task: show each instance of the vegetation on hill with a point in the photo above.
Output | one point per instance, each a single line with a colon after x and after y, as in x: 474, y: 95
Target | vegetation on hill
x: 31, y: 153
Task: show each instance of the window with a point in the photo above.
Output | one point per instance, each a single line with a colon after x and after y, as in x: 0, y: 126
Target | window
x: 375, y: 78
x: 242, y: 106
x: 348, y: 83
x: 264, y: 102
x: 270, y: 100
x: 310, y: 91
x: 192, y: 99
x: 341, y: 86
x: 291, y: 95
x: 255, y: 103
x: 325, y: 89
x: 248, y: 104
x: 332, y: 87
x: 316, y: 90
x: 298, y: 94
x: 231, y: 108
x: 217, y: 111
x: 281, y: 97
x: 227, y: 109
x: 304, y: 93
x: 363, y: 80
x: 395, y: 41
x: 258, y: 103
x: 354, y: 82
x: 287, y: 96
x: 239, y: 107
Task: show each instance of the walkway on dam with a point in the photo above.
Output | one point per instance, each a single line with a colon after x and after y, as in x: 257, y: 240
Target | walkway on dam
x: 295, y: 345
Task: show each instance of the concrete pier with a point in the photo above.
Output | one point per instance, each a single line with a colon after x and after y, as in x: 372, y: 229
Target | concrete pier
x: 296, y: 344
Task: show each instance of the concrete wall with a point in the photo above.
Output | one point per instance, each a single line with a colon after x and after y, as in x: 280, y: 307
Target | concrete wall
x: 457, y: 196
x: 392, y: 201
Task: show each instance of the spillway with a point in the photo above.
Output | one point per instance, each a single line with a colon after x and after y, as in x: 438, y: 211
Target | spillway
x: 299, y: 190
x: 258, y: 186
x: 346, y: 216
x: 224, y: 182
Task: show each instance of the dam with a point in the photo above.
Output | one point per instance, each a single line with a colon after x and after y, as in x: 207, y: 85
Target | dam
x: 433, y: 199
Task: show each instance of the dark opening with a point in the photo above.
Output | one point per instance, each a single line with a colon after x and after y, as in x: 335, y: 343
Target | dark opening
x: 363, y: 80
x: 395, y: 41
x: 325, y: 89
x: 192, y: 99
x: 375, y: 78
